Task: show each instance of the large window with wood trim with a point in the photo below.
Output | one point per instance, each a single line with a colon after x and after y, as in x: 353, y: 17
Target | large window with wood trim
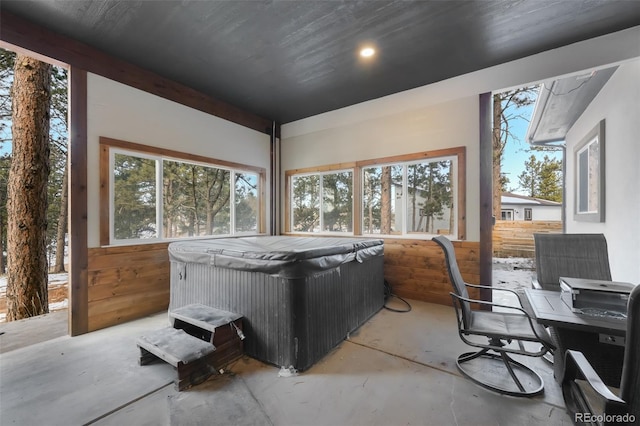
x: 322, y: 202
x: 415, y: 195
x: 154, y: 194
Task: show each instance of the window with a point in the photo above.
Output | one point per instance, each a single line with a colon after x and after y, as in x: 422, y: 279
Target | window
x: 589, y: 177
x: 134, y: 197
x: 154, y: 194
x: 409, y: 198
x: 381, y: 199
x: 528, y: 213
x: 506, y: 215
x: 322, y: 202
x: 410, y: 195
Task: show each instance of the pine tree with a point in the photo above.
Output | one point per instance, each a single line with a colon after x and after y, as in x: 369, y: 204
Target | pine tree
x: 27, y: 190
x: 542, y: 178
x: 550, y: 182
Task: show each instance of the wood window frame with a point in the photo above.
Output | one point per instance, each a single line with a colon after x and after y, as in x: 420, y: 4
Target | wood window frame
x: 106, y: 144
x: 357, y: 166
x: 311, y: 170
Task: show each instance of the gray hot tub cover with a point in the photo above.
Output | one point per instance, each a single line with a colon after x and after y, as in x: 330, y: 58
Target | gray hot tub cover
x: 289, y: 257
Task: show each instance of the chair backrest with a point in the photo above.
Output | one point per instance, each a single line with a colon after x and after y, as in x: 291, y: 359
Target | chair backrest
x: 630, y: 382
x: 570, y: 255
x: 459, y: 286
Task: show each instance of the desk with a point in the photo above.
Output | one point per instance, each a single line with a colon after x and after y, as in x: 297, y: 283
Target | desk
x: 600, y: 339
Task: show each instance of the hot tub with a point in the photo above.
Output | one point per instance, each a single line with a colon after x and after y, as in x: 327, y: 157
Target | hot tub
x: 300, y: 296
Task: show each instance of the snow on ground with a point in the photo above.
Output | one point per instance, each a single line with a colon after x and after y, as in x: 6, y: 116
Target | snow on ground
x: 55, y: 280
x: 513, y: 273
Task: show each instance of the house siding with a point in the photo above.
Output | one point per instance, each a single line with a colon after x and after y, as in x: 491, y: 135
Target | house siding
x: 618, y: 103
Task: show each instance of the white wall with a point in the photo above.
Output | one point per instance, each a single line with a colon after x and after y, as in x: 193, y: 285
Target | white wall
x: 121, y: 112
x: 553, y: 213
x: 618, y: 104
x: 439, y: 115
x: 545, y: 213
x: 448, y: 125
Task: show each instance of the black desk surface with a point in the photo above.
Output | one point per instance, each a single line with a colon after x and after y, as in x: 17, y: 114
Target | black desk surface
x: 550, y: 310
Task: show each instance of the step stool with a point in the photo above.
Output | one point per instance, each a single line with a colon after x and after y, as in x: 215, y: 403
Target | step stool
x: 201, y: 341
x: 207, y: 323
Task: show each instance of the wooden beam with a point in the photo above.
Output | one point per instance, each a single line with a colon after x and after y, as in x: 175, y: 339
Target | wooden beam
x: 486, y: 193
x: 78, y: 244
x: 27, y: 35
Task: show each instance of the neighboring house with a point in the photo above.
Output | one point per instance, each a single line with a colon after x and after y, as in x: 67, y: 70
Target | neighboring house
x: 521, y: 207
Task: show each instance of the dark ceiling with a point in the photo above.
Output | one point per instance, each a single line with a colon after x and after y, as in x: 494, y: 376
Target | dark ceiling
x: 287, y: 60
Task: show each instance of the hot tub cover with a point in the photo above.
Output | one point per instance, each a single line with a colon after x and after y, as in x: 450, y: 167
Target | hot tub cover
x: 290, y: 257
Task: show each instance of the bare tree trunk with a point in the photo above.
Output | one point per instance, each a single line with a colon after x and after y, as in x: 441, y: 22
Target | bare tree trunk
x: 62, y: 224
x: 498, y: 148
x: 27, y: 191
x: 385, y: 202
x: 2, y: 265
x: 453, y: 205
x: 194, y: 193
x: 414, y: 197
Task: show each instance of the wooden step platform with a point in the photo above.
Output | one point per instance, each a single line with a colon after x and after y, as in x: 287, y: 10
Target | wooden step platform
x: 193, y: 358
x: 214, y: 325
x: 201, y: 341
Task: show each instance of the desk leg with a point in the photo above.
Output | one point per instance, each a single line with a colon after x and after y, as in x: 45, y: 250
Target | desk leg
x: 606, y: 359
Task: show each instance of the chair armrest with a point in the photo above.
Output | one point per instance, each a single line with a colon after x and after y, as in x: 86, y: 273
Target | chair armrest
x: 487, y: 287
x: 484, y: 302
x: 490, y: 287
x: 480, y: 286
x: 549, y: 345
x: 575, y: 362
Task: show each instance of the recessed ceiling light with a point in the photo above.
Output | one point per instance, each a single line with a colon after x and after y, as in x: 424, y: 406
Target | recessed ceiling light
x: 367, y: 52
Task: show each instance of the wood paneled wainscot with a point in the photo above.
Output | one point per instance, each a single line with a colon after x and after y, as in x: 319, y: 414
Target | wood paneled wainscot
x: 416, y: 269
x: 127, y: 282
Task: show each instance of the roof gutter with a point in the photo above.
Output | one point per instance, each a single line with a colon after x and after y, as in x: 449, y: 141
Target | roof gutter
x: 538, y: 111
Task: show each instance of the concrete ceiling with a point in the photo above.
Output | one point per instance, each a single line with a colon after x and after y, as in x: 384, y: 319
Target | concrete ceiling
x: 287, y: 60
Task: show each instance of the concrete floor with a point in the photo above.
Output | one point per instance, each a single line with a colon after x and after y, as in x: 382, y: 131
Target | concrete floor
x: 397, y: 369
x: 29, y: 331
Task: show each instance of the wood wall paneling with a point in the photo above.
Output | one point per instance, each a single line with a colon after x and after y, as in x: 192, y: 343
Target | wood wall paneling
x: 130, y: 282
x: 416, y: 269
x: 126, y: 283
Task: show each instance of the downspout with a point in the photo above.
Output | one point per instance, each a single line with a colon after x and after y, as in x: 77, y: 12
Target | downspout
x: 272, y: 179
x: 275, y: 193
